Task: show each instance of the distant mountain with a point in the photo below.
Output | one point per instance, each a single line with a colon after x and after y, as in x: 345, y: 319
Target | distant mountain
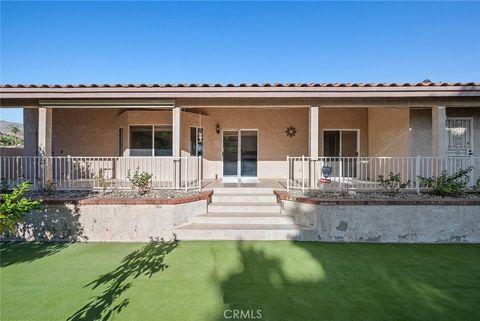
x: 6, y: 126
x: 7, y: 136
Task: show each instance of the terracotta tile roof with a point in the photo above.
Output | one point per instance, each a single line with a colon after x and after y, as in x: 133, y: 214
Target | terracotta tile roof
x: 378, y: 84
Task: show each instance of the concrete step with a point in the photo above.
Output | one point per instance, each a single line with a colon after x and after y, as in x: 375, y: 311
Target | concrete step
x: 242, y: 190
x: 244, y: 207
x: 243, y: 232
x: 243, y: 218
x: 244, y: 197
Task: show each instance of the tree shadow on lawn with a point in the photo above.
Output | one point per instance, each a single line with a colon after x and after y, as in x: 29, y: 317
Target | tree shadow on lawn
x: 356, y: 282
x: 143, y: 262
x: 44, y: 232
x: 20, y: 252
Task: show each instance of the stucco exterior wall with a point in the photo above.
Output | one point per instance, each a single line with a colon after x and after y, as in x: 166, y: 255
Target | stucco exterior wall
x: 84, y: 132
x: 273, y: 143
x: 388, y: 223
x: 344, y: 118
x: 107, y: 223
x: 30, y: 131
x: 94, y: 132
x: 11, y: 151
x: 388, y: 132
x: 421, y: 132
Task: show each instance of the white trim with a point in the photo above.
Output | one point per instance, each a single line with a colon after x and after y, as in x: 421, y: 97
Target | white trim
x: 340, y: 130
x: 190, y: 141
x: 239, y: 169
x: 108, y: 103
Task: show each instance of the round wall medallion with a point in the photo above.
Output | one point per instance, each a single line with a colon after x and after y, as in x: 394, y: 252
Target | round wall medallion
x: 291, y: 131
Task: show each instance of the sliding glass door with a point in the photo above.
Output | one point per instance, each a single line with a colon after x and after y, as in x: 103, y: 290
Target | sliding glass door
x: 240, y: 153
x: 230, y: 153
x: 342, y: 143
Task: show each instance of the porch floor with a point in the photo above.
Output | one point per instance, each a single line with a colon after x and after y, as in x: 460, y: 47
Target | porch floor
x: 273, y: 183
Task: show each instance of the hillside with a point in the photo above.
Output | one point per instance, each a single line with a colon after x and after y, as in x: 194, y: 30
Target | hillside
x: 9, y: 138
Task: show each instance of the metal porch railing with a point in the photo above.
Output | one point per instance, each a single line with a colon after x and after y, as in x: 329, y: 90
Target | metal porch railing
x: 361, y: 173
x: 79, y: 173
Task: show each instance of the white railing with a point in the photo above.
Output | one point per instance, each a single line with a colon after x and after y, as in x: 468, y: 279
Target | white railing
x: 78, y: 173
x: 361, y: 173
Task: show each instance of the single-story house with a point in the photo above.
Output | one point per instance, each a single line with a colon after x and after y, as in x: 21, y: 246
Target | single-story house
x: 211, y: 131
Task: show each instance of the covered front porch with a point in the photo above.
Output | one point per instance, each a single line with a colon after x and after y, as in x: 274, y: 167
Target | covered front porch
x: 90, y: 145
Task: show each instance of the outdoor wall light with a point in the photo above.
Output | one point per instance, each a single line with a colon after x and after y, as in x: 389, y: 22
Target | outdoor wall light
x: 218, y: 128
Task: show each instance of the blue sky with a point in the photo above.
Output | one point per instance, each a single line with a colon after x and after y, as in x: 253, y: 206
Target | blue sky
x: 147, y: 42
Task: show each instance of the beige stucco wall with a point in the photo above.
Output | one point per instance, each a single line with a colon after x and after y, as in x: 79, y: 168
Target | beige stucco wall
x: 93, y: 132
x: 421, y: 132
x: 345, y: 118
x: 273, y: 144
x: 30, y: 131
x: 84, y: 132
x: 388, y: 132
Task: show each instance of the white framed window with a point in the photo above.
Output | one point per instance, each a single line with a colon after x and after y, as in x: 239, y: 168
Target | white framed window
x: 150, y: 140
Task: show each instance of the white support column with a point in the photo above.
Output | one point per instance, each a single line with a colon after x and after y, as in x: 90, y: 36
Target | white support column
x: 313, y: 145
x: 313, y: 133
x: 439, y: 131
x: 176, y: 142
x: 177, y: 131
x: 44, y: 132
x: 45, y: 142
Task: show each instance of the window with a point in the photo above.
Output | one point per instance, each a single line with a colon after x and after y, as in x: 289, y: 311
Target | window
x: 196, y: 141
x: 163, y: 141
x: 340, y: 143
x: 150, y: 140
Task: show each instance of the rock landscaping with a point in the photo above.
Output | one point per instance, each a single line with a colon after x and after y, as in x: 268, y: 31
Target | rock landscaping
x: 75, y: 194
x: 317, y: 194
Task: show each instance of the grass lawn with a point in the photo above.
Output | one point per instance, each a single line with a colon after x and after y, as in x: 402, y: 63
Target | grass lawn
x: 199, y: 280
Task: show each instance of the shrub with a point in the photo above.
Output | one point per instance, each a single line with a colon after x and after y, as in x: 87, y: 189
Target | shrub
x: 140, y: 181
x: 14, y: 207
x: 476, y: 187
x: 448, y: 184
x: 50, y: 187
x: 104, y: 182
x: 393, y: 183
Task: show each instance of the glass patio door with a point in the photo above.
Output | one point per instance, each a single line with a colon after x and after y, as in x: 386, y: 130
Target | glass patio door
x: 240, y: 152
x: 342, y: 143
x: 230, y: 153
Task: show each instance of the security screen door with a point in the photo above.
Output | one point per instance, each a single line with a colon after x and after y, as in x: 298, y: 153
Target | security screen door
x: 240, y: 153
x: 460, y: 136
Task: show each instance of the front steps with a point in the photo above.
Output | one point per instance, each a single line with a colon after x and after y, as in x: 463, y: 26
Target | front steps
x: 243, y: 214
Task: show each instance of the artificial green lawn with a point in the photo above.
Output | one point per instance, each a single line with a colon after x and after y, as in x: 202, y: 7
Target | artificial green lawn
x: 199, y: 280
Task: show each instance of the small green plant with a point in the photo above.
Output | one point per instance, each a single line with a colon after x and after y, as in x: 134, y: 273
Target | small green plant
x: 3, y: 186
x: 104, y: 182
x: 448, y: 184
x: 14, y: 207
x: 50, y: 187
x: 477, y: 186
x: 393, y: 183
x: 140, y: 181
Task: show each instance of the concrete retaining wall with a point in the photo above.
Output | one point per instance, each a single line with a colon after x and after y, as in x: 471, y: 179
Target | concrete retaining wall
x: 98, y: 223
x: 388, y: 223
